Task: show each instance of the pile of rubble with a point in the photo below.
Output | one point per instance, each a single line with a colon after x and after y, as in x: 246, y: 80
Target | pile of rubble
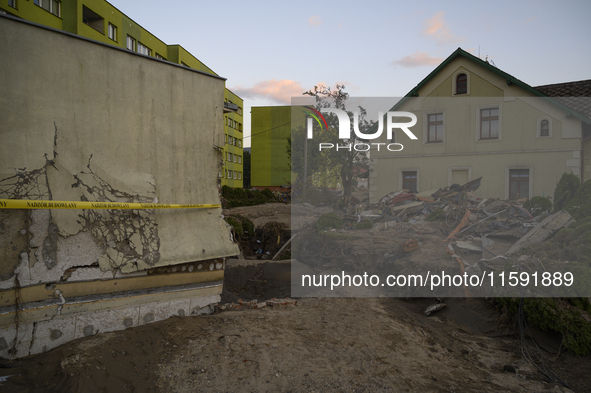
x: 409, y: 232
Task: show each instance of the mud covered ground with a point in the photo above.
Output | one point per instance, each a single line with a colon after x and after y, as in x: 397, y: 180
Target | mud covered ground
x: 320, y: 345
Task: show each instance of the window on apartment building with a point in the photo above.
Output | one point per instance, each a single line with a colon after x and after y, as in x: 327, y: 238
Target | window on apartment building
x: 159, y: 56
x: 130, y: 43
x: 518, y: 183
x: 144, y: 50
x: 544, y: 128
x: 239, y: 143
x: 12, y: 3
x: 461, y: 84
x: 92, y: 19
x: 235, y: 175
x: 240, y: 159
x: 435, y: 127
x: 240, y: 111
x: 52, y: 6
x: 235, y: 158
x: 489, y: 123
x: 409, y: 180
x: 239, y: 175
x: 112, y: 32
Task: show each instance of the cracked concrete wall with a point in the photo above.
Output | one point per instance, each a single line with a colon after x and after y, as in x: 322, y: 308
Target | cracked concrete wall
x: 85, y: 121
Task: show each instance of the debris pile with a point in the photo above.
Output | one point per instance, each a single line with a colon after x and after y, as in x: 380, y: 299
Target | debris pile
x: 447, y: 229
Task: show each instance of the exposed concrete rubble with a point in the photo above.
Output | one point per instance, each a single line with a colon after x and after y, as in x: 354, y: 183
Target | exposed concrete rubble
x: 543, y: 231
x: 412, y: 233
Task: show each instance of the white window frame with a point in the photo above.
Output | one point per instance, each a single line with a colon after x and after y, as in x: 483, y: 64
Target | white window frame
x: 508, y: 182
x: 426, y: 127
x: 539, y: 127
x: 143, y: 49
x: 478, y: 121
x: 454, y: 86
x: 51, y: 6
x: 112, y: 31
x: 132, y: 41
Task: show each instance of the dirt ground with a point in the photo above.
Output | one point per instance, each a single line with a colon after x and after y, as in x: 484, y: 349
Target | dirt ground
x: 279, y: 212
x: 320, y: 345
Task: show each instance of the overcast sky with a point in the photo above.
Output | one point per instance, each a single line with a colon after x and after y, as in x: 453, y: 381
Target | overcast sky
x: 271, y: 50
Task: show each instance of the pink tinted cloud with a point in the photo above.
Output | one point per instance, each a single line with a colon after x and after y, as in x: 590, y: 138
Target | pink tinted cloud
x: 314, y: 21
x: 436, y: 27
x: 279, y: 91
x: 418, y: 59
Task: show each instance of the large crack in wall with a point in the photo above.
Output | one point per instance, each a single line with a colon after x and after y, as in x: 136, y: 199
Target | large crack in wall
x: 35, y: 243
x: 127, y: 235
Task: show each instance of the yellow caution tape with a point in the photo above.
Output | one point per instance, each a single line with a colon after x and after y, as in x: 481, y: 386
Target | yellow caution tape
x: 24, y: 204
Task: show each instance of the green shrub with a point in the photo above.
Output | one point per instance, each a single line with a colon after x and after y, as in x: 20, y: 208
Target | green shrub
x: 538, y: 205
x: 579, y: 206
x: 565, y: 190
x: 567, y: 316
x: 329, y: 220
x: 236, y: 224
x: 365, y: 224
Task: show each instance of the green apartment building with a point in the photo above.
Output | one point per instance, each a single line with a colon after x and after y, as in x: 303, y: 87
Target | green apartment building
x: 232, y: 172
x: 100, y: 21
x: 270, y: 130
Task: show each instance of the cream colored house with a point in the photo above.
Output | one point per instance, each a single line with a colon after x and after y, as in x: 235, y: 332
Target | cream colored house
x: 474, y: 120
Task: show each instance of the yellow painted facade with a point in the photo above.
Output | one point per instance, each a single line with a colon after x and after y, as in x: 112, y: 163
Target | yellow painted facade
x: 516, y: 158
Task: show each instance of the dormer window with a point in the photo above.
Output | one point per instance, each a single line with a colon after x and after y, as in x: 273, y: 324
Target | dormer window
x: 461, y: 84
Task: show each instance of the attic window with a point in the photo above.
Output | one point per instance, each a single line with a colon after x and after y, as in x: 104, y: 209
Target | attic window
x: 93, y: 19
x: 461, y: 84
x: 544, y: 128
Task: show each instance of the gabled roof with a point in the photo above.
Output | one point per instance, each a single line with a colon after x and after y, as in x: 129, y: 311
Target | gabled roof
x: 511, y: 80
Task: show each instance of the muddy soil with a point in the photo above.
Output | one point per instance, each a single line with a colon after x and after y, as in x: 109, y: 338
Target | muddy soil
x: 320, y: 345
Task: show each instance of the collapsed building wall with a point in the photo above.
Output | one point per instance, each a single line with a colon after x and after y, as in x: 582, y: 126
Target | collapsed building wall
x: 83, y: 121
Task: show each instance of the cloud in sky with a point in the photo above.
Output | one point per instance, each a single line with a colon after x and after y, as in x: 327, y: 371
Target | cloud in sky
x: 279, y: 91
x: 314, y: 21
x: 436, y: 27
x: 418, y: 59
